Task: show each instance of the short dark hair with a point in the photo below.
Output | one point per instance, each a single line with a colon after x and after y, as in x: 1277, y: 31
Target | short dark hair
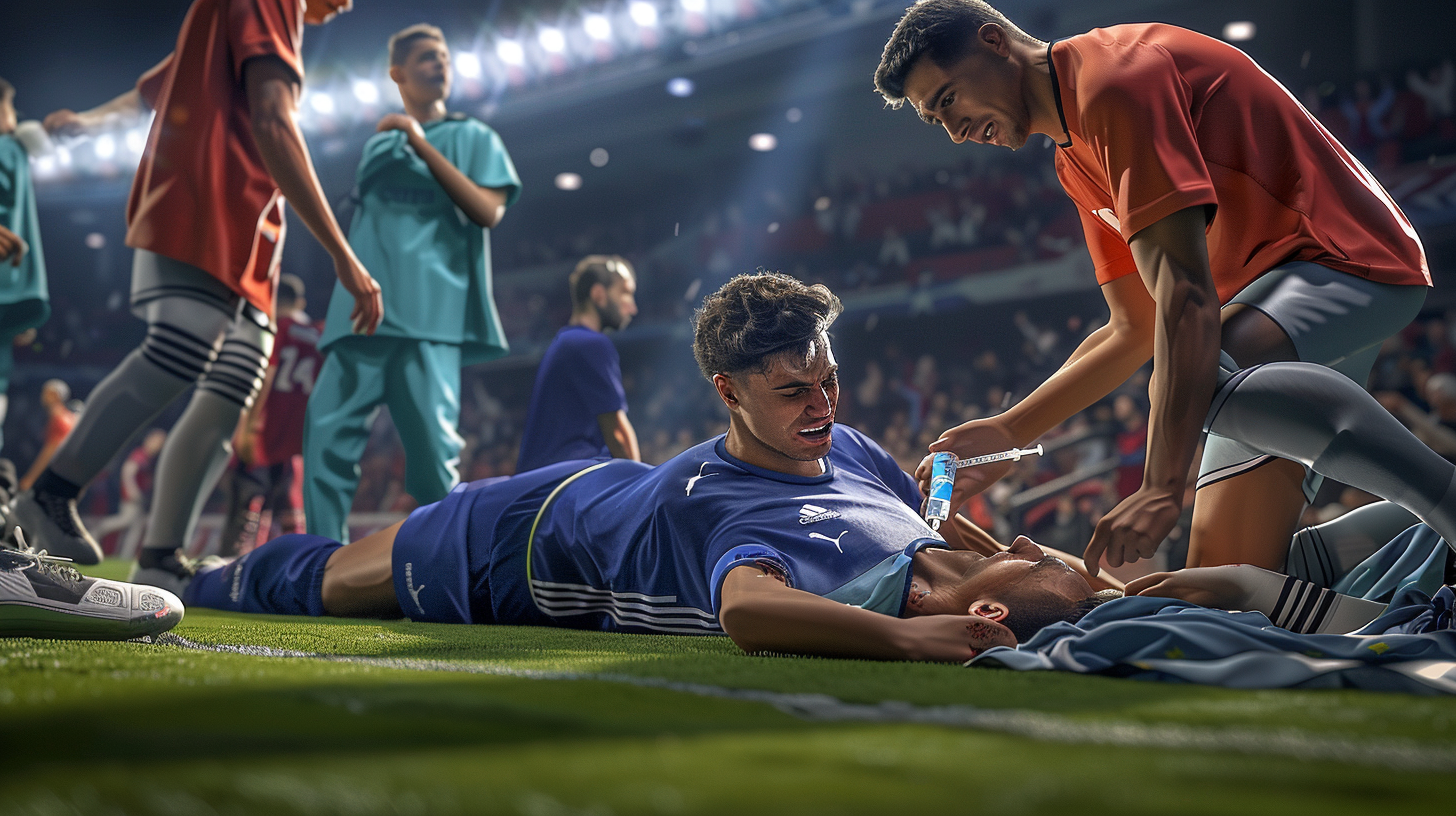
x: 944, y: 31
x: 404, y: 40
x: 290, y: 288
x: 755, y: 316
x: 7, y: 91
x: 595, y: 269
x: 1037, y: 611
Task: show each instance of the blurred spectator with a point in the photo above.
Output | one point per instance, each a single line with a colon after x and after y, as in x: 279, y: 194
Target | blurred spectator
x: 130, y: 519
x: 54, y: 396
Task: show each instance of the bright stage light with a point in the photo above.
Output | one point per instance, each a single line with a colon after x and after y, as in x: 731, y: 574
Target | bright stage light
x: 552, y: 40
x: 510, y: 52
x: 643, y: 14
x: 1239, y: 31
x: 597, y: 26
x: 467, y: 64
x: 105, y: 147
x: 96, y: 240
x: 568, y: 181
x: 694, y: 6
x: 680, y: 86
x: 366, y: 92
x: 321, y: 102
x: 136, y: 140
x: 763, y: 142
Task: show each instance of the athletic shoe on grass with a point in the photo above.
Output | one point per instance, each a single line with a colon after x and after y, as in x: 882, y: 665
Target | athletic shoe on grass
x: 55, y: 526
x: 170, y: 570
x: 44, y: 597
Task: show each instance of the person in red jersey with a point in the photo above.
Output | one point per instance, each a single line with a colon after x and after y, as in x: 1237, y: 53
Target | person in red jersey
x: 1226, y: 225
x: 205, y: 218
x: 130, y: 518
x: 267, y: 474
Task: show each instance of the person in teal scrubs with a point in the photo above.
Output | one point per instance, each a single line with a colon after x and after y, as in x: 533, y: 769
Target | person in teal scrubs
x: 429, y: 187
x: 24, y: 300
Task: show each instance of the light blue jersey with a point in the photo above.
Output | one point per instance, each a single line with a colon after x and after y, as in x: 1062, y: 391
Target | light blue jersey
x: 24, y: 300
x: 431, y: 261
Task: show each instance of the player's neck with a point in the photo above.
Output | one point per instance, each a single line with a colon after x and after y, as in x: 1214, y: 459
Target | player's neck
x: 1039, y: 90
x: 587, y: 320
x: 425, y: 111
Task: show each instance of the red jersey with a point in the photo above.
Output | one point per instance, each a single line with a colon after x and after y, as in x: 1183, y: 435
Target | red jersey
x: 59, y: 426
x: 201, y: 193
x: 295, y: 363
x: 1162, y: 119
x: 143, y: 462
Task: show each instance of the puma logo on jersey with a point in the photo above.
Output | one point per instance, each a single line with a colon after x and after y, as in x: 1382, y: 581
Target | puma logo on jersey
x: 834, y: 541
x: 693, y: 480
x: 409, y: 584
x: 810, y: 513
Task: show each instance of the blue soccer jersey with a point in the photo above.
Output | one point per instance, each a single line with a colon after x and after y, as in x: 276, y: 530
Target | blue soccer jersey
x: 622, y: 547
x: 579, y: 379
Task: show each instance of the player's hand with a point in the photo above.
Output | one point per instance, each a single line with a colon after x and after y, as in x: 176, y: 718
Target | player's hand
x: 403, y: 122
x: 368, y: 300
x: 65, y: 122
x: 979, y: 436
x: 1214, y: 587
x: 12, y: 246
x: 951, y: 638
x: 1133, y: 529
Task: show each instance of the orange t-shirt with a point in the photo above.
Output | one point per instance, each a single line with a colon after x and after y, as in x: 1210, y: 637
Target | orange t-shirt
x: 201, y: 194
x: 1162, y: 119
x: 59, y: 426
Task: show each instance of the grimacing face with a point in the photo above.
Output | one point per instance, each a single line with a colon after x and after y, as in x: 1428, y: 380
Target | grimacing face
x: 788, y: 411
x: 979, y: 98
x: 962, y: 578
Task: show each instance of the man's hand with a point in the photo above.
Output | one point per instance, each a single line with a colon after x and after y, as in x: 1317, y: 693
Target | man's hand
x: 979, y: 436
x: 65, y: 122
x: 368, y: 301
x: 402, y: 122
x: 1133, y: 529
x: 12, y: 246
x: 951, y: 638
x: 1214, y: 587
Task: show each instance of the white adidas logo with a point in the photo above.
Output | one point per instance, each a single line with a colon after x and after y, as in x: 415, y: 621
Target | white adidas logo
x: 810, y: 513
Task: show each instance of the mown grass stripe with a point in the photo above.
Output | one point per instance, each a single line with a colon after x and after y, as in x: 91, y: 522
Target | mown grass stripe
x: 1405, y: 755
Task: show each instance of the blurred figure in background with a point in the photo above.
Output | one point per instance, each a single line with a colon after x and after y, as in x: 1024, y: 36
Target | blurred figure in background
x: 24, y: 299
x: 60, y: 420
x: 130, y: 518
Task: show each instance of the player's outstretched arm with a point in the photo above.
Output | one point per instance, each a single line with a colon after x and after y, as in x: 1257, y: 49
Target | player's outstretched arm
x: 763, y: 614
x: 120, y: 110
x: 1101, y: 363
x: 272, y: 90
x: 1172, y: 259
x: 619, y: 435
x: 1289, y: 602
x: 485, y: 206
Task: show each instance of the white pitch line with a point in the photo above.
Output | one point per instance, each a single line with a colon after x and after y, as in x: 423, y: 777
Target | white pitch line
x: 1399, y: 754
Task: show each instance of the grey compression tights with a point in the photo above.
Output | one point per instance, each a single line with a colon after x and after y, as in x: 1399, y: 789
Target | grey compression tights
x: 181, y: 342
x: 198, y: 447
x: 1322, y: 419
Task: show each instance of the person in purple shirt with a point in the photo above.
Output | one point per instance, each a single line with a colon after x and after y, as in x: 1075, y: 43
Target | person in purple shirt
x: 578, y: 407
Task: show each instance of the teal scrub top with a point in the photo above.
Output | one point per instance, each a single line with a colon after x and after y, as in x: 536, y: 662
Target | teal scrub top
x: 24, y: 300
x: 431, y: 261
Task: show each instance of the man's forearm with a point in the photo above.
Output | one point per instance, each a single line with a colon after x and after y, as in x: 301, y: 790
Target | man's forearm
x: 1100, y: 364
x: 482, y: 205
x: 619, y: 435
x: 963, y: 534
x: 760, y: 614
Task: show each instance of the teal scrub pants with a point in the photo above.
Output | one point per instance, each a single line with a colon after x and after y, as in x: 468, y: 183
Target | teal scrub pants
x: 420, y: 382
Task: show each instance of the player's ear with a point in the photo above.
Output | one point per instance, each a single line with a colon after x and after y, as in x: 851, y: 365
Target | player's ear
x: 599, y: 294
x: 396, y: 73
x: 990, y: 610
x: 726, y: 390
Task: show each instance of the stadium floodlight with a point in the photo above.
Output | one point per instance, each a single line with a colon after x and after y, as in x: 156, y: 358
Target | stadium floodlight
x: 597, y: 26
x: 643, y: 14
x: 467, y: 64
x: 794, y: 115
x: 599, y: 157
x: 321, y: 102
x: 63, y: 156
x: 510, y: 52
x: 680, y: 87
x: 96, y: 240
x: 105, y: 147
x: 694, y: 6
x: 552, y: 40
x: 568, y: 181
x: 763, y: 142
x: 136, y: 140
x: 45, y: 166
x: 1239, y: 31
x: 366, y: 92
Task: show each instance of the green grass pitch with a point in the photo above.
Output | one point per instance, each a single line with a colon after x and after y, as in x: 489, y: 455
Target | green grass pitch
x: 326, y: 716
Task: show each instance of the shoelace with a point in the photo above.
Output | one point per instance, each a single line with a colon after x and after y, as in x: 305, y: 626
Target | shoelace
x: 55, y: 566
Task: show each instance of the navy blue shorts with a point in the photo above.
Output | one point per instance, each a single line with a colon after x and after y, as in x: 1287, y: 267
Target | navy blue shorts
x: 463, y: 558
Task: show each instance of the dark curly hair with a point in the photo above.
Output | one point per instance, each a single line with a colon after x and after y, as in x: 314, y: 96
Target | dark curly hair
x: 943, y: 30
x: 755, y: 316
x: 1031, y: 616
